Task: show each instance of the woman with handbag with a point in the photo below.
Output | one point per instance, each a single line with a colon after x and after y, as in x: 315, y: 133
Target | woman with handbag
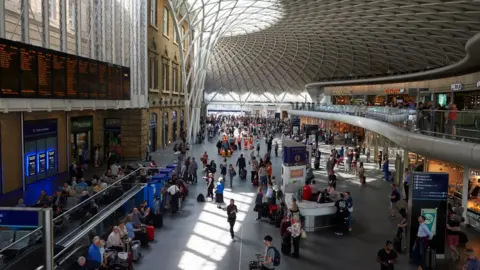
x: 296, y: 231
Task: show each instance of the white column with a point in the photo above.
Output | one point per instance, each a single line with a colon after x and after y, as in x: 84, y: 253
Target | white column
x: 2, y: 19
x: 45, y: 24
x: 78, y: 27
x: 63, y: 25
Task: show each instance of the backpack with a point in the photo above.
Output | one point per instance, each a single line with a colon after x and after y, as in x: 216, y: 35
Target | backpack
x: 200, y: 198
x: 276, y: 258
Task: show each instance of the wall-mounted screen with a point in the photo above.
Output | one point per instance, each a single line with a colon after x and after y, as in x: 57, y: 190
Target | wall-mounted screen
x: 31, y: 165
x: 42, y: 162
x: 51, y: 159
x: 33, y: 72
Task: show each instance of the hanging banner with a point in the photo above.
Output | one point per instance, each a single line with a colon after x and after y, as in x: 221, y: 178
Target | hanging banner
x: 430, y: 215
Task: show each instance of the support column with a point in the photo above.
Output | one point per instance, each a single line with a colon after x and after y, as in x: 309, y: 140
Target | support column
x: 375, y: 147
x: 24, y: 9
x: 63, y: 25
x: 385, y: 147
x: 180, y: 122
x: 48, y: 240
x: 2, y: 19
x: 45, y: 24
x: 466, y: 180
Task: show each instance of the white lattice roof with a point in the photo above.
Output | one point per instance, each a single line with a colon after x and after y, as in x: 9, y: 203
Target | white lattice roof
x: 279, y: 46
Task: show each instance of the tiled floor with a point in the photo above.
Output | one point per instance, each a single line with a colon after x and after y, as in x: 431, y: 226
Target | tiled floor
x: 198, y: 237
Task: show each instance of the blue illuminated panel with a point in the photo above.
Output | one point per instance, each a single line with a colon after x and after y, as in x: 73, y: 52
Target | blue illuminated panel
x: 19, y: 219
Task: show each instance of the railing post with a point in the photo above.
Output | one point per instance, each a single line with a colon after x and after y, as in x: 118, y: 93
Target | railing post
x: 48, y: 241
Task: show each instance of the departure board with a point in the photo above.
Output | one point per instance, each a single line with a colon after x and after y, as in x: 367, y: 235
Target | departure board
x: 111, y: 81
x: 28, y: 75
x: 126, y: 83
x: 44, y: 61
x: 93, y: 81
x: 59, y: 75
x: 118, y: 82
x: 83, y: 78
x: 28, y: 71
x: 102, y: 80
x: 9, y: 70
x: 72, y: 76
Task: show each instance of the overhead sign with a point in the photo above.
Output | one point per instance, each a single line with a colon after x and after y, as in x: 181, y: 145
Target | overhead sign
x: 19, y: 218
x: 456, y: 87
x: 393, y: 91
x: 430, y: 186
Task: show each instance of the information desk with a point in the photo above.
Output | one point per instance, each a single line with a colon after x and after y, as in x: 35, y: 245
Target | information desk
x: 317, y: 215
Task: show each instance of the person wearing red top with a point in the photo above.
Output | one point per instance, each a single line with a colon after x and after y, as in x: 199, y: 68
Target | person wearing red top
x: 307, y: 193
x: 452, y: 119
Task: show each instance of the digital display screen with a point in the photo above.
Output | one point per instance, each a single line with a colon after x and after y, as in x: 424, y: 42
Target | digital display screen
x: 72, y: 76
x: 18, y: 219
x: 430, y: 186
x: 59, y: 75
x: 83, y: 78
x: 44, y: 60
x: 33, y: 72
x: 42, y: 162
x: 51, y: 159
x: 9, y: 68
x: 31, y: 165
x: 28, y: 75
x: 102, y: 80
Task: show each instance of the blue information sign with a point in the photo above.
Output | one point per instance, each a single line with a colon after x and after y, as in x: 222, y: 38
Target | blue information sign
x: 430, y: 186
x: 19, y: 218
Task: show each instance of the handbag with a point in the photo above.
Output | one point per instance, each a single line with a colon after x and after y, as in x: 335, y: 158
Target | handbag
x: 255, y: 209
x: 303, y: 234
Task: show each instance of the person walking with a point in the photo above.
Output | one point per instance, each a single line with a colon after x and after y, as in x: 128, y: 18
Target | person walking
x: 231, y: 174
x: 361, y: 174
x: 210, y: 186
x: 223, y: 168
x: 276, y: 148
x: 254, y: 167
x: 295, y: 230
x: 394, y: 198
x: 386, y: 256
x: 232, y: 217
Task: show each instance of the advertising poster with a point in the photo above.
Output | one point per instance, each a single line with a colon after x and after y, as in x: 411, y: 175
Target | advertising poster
x: 42, y: 162
x: 51, y: 159
x: 32, y: 165
x: 430, y: 219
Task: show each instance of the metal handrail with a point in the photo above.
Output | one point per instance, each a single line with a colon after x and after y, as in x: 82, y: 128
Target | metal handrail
x: 94, y: 196
x: 68, y: 211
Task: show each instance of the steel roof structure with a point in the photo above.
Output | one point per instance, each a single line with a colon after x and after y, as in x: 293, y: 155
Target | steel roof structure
x: 252, y: 47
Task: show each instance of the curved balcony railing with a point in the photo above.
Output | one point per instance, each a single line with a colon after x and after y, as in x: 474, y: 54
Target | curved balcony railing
x: 428, y: 122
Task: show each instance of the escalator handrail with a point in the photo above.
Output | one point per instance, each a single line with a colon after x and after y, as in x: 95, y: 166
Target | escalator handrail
x: 78, y: 206
x: 97, y: 218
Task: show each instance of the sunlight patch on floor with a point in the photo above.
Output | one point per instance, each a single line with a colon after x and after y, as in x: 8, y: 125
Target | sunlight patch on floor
x: 210, y: 238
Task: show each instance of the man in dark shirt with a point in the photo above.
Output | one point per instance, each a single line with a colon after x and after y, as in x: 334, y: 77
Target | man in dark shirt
x: 241, y: 164
x: 386, y: 257
x: 453, y: 230
x: 342, y: 214
x: 232, y: 217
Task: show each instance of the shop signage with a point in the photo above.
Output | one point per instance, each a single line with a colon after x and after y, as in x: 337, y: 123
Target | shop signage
x: 82, y: 124
x: 112, y: 123
x: 393, y: 91
x: 342, y: 92
x: 152, y: 124
x: 40, y: 127
x: 456, y: 87
x: 478, y: 84
x: 294, y: 155
x: 430, y: 186
x: 475, y: 173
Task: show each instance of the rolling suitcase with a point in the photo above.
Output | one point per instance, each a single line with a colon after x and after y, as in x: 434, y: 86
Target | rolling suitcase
x: 135, y: 250
x: 255, y: 182
x: 430, y: 259
x: 150, y: 232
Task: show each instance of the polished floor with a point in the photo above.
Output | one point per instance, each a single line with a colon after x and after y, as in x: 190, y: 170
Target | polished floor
x: 198, y: 237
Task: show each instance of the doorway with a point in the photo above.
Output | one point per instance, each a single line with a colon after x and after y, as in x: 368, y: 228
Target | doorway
x: 152, y: 132
x: 165, y: 128
x: 174, y: 126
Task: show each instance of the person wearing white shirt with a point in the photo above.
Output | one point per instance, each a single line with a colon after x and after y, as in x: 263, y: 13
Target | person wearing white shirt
x: 421, y: 243
x: 114, y: 169
x: 114, y: 240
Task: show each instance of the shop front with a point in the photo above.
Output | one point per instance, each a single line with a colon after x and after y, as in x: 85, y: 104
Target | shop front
x: 81, y: 135
x: 166, y: 119
x: 416, y: 163
x: 473, y: 203
x: 40, y: 149
x: 174, y: 126
x: 113, y: 139
x: 152, y: 132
